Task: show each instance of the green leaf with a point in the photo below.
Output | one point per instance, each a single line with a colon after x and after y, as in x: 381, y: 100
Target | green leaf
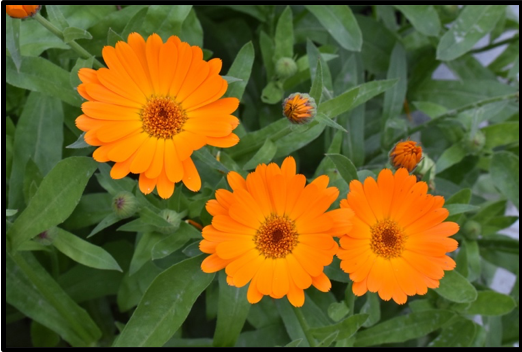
x: 134, y: 23
x: 264, y: 155
x: 231, y: 79
x: 73, y: 33
x: 41, y: 336
x: 505, y: 173
x: 316, y: 90
x: 31, y: 290
x: 56, y: 16
x: 294, y: 343
x: 165, y: 305
x: 32, y: 179
x: 284, y: 36
x: 111, y: 185
x: 113, y: 38
x: 150, y: 221
x: 175, y: 241
x: 431, y: 109
x: 39, y: 136
x: 473, y: 23
x: 205, y: 156
x: 292, y: 325
x: 107, y: 221
x: 403, y: 328
x: 143, y: 251
x: 266, y: 45
x: 450, y: 157
x: 192, y: 32
x: 345, y: 167
x: 454, y: 287
x: 328, y: 340
x: 329, y: 122
x: 75, y: 80
x: 346, y: 329
x: 461, y: 197
x: 394, y: 98
x: 501, y: 134
x: 459, y: 334
x: 233, y: 308
x: 84, y: 252
x: 41, y: 75
x: 315, y: 56
x: 423, y: 17
x: 56, y: 198
x: 460, y: 208
x: 489, y: 303
x: 241, y: 68
x: 165, y: 20
x: 340, y: 23
x: 80, y: 143
x: 12, y: 40
x: 337, y: 310
x: 272, y: 93
x: 10, y: 212
x: 354, y: 97
x: 378, y: 43
x: 499, y: 243
x: 372, y: 306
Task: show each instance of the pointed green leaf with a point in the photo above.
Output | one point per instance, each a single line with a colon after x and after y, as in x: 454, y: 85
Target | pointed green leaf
x: 165, y: 305
x: 75, y: 80
x: 84, y: 252
x: 175, y: 241
x: 165, y: 20
x: 294, y: 343
x: 205, y: 156
x: 460, y: 208
x: 316, y: 89
x: 56, y: 16
x: 263, y: 155
x: 473, y: 23
x: 241, y: 68
x: 403, y: 328
x: 73, y: 33
x: 489, y: 303
x: 340, y: 23
x: 12, y: 40
x: 459, y: 334
x: 505, y: 173
x: 80, y: 143
x: 329, y: 122
x: 56, y: 198
x: 454, y: 287
x: 113, y: 38
x: 450, y: 157
x: 134, y: 23
x: 345, y: 167
x: 284, y: 36
x: 423, y: 17
x: 346, y: 329
x: 233, y: 308
x: 354, y: 97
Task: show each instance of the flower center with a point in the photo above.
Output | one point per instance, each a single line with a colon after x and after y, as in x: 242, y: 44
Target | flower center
x: 276, y: 237
x: 387, y: 239
x: 163, y: 117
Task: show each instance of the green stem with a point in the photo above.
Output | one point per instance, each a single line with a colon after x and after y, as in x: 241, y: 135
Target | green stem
x: 84, y: 54
x: 349, y: 298
x: 494, y: 45
x: 304, y: 326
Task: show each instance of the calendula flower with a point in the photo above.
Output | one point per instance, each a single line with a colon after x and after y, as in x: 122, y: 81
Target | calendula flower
x: 22, y: 11
x: 406, y: 154
x: 274, y: 232
x: 155, y: 104
x: 299, y: 108
x: 399, y: 240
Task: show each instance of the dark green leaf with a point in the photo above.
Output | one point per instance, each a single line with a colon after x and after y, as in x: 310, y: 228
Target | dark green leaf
x: 316, y: 90
x: 450, y: 157
x: 113, y: 38
x: 80, y: 143
x: 489, y: 303
x: 459, y: 334
x: 284, y: 36
x: 292, y: 325
x: 134, y: 23
x: 205, y: 156
x: 501, y: 134
x: 505, y: 173
x: 192, y: 32
x: 347, y: 328
x: 12, y: 37
x: 337, y: 310
x: 84, y: 252
x: 41, y: 75
x: 294, y: 343
x: 56, y: 198
x: 75, y: 81
x: 233, y: 308
x: 454, y: 287
x: 175, y: 241
x: 423, y: 17
x: 340, y: 23
x: 372, y: 307
x: 264, y: 155
x: 473, y: 23
x: 41, y: 336
x: 241, y: 69
x: 165, y: 20
x: 499, y: 243
x: 329, y: 122
x: 73, y: 33
x: 345, y: 167
x: 56, y: 16
x: 111, y: 185
x: 403, y: 328
x: 460, y: 208
x: 165, y: 305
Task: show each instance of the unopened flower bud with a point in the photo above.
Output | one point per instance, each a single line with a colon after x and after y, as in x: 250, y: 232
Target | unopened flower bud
x: 172, y: 218
x: 476, y: 144
x: 285, y: 67
x: 472, y: 229
x: 124, y: 204
x: 405, y: 154
x: 299, y: 108
x: 22, y: 11
x: 46, y: 237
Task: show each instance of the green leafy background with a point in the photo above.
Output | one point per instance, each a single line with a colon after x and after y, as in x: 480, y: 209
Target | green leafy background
x: 79, y: 275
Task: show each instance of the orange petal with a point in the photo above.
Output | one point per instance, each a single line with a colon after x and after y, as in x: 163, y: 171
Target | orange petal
x: 197, y: 73
x: 214, y: 208
x: 300, y: 277
x: 157, y: 163
x: 126, y: 147
x: 225, y: 197
x: 245, y: 274
x: 265, y: 276
x: 146, y: 184
x: 241, y: 262
x: 88, y: 75
x: 191, y: 177
x: 224, y: 106
x: 126, y: 89
x: 131, y: 63
x: 182, y: 67
x: 152, y: 52
x: 173, y: 166
x: 120, y: 170
x: 165, y: 186
x: 112, y: 131
x: 295, y: 294
x: 245, y: 210
x: 233, y: 249
x: 258, y: 190
x: 280, y: 284
x: 322, y: 283
x: 386, y: 184
x: 168, y: 61
x: 227, y: 224
x: 102, y: 94
x: 223, y: 142
x: 253, y: 294
x: 277, y: 191
x: 236, y: 181
x: 213, y: 263
x: 105, y: 111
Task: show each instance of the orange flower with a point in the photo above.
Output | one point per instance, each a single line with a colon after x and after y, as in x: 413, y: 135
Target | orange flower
x: 155, y: 104
x: 406, y: 154
x: 398, y: 242
x: 22, y: 11
x: 299, y: 108
x: 274, y: 232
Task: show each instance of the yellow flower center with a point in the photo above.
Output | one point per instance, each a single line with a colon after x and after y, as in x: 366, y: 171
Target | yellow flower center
x: 387, y: 239
x: 276, y: 237
x: 163, y: 117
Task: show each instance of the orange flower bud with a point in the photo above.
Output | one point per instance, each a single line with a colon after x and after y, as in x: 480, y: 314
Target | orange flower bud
x: 299, y: 108
x: 22, y: 11
x: 406, y: 154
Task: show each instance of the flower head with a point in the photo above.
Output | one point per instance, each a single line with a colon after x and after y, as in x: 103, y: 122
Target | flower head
x: 398, y: 243
x: 155, y: 104
x: 406, y: 154
x: 274, y: 232
x: 299, y: 108
x: 285, y: 67
x: 22, y: 11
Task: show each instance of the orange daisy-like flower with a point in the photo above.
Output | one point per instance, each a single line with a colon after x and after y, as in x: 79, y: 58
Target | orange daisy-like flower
x: 406, y: 154
x: 22, y: 11
x: 274, y: 232
x: 398, y: 243
x: 155, y: 104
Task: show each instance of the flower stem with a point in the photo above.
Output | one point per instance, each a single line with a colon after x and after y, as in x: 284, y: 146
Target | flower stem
x: 75, y: 46
x: 349, y: 298
x: 494, y: 45
x: 304, y: 326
